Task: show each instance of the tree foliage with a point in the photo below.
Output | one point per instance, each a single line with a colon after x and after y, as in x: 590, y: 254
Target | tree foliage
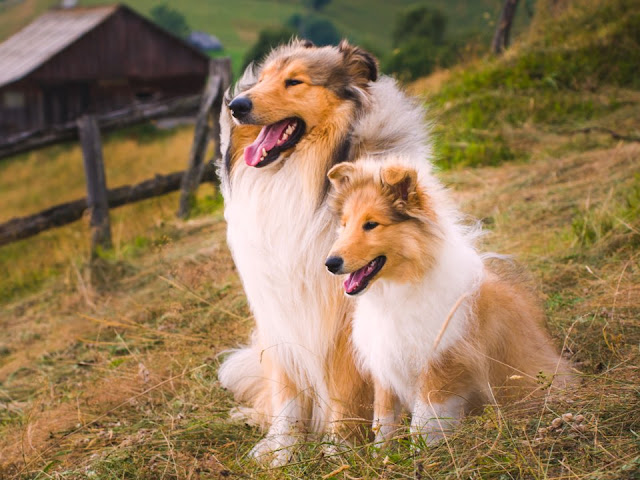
x: 267, y: 39
x: 420, y: 22
x: 170, y: 19
x: 420, y: 44
x: 318, y: 5
x: 319, y: 30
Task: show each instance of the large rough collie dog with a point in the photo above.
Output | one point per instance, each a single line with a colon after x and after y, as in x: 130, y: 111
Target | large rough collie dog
x: 302, y: 110
x: 439, y: 331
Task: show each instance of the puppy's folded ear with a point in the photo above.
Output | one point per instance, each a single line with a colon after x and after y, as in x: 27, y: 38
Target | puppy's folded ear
x: 341, y: 174
x: 402, y: 181
x: 361, y: 65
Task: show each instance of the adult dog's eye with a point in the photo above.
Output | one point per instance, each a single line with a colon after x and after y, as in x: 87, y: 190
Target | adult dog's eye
x: 290, y: 82
x: 370, y: 225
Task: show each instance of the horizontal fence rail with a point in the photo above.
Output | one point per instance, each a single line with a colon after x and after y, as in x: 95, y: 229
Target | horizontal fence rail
x: 65, y: 213
x: 23, y: 142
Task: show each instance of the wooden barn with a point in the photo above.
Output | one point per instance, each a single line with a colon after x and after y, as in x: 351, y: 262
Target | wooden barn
x: 69, y: 62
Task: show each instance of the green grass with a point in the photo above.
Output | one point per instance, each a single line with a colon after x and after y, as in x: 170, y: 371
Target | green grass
x: 556, y: 78
x: 616, y: 215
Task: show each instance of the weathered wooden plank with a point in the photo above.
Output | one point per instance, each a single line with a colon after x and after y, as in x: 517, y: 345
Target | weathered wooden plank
x: 89, y: 134
x: 65, y: 213
x: 27, y: 141
x: 207, y: 125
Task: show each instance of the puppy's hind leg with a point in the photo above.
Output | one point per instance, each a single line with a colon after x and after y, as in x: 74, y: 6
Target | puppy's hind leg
x: 448, y: 391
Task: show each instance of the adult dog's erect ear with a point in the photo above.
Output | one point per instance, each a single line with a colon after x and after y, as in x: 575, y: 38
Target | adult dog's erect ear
x: 362, y: 66
x: 340, y: 175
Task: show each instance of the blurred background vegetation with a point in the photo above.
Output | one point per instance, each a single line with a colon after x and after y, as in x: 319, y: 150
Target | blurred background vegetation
x: 397, y: 32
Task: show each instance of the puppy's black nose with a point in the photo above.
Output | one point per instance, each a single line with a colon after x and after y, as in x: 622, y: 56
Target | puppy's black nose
x: 240, y: 107
x: 334, y: 264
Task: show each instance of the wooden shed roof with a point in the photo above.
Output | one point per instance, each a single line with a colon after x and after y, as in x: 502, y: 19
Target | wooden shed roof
x: 50, y: 34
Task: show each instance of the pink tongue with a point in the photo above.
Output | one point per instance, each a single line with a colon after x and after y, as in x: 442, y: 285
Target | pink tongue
x: 354, y: 279
x: 267, y: 139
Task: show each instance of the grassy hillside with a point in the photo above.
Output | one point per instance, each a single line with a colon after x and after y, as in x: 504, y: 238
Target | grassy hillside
x: 238, y: 22
x: 114, y: 376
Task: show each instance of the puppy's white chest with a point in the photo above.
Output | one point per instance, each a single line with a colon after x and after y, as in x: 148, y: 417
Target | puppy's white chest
x: 394, y: 332
x: 390, y: 349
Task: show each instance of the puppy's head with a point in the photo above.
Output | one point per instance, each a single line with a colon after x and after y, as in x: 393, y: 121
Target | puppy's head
x: 299, y: 87
x: 387, y: 225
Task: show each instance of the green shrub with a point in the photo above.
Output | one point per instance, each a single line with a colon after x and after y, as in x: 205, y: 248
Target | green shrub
x: 170, y: 19
x: 420, y: 45
x: 267, y: 39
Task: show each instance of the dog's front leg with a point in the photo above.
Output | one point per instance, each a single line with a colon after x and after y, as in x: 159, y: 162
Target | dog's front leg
x: 385, y: 415
x: 350, y: 394
x: 287, y: 426
x: 435, y: 416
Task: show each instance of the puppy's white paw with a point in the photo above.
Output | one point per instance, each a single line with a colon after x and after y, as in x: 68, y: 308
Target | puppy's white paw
x: 434, y: 421
x: 334, y: 445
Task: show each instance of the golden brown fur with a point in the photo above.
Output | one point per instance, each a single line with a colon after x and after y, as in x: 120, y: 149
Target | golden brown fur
x: 406, y: 234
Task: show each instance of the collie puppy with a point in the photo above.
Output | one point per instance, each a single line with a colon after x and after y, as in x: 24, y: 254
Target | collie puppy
x: 440, y: 332
x: 283, y: 126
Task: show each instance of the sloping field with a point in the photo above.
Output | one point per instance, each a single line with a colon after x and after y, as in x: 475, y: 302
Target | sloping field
x: 114, y: 377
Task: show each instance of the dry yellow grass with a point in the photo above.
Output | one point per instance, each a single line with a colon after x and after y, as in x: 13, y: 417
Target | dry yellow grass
x: 39, y: 179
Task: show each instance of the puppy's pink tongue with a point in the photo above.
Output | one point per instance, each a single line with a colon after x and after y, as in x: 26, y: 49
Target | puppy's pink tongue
x: 267, y: 139
x: 354, y: 279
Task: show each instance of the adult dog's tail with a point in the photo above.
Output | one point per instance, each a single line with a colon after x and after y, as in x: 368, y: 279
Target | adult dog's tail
x: 242, y: 373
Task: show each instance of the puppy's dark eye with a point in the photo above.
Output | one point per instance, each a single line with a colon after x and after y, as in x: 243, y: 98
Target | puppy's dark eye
x: 290, y: 82
x: 370, y: 225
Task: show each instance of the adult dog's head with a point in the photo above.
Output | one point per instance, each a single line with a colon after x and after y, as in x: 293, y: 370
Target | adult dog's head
x: 297, y: 90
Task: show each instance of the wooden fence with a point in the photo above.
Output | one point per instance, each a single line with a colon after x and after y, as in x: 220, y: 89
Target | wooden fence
x: 99, y: 199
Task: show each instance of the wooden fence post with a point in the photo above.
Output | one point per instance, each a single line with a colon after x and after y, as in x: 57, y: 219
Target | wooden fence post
x: 89, y: 134
x: 219, y: 80
x: 501, y: 36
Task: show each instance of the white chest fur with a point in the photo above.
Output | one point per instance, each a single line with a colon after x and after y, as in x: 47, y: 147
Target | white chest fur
x: 279, y: 238
x: 396, y: 325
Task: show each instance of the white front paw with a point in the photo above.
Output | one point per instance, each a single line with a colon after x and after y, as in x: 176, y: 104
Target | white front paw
x: 433, y: 422
x: 334, y: 445
x: 384, y: 429
x: 274, y: 450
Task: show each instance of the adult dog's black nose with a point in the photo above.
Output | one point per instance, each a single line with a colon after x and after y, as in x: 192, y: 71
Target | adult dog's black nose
x: 334, y: 264
x: 240, y: 107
